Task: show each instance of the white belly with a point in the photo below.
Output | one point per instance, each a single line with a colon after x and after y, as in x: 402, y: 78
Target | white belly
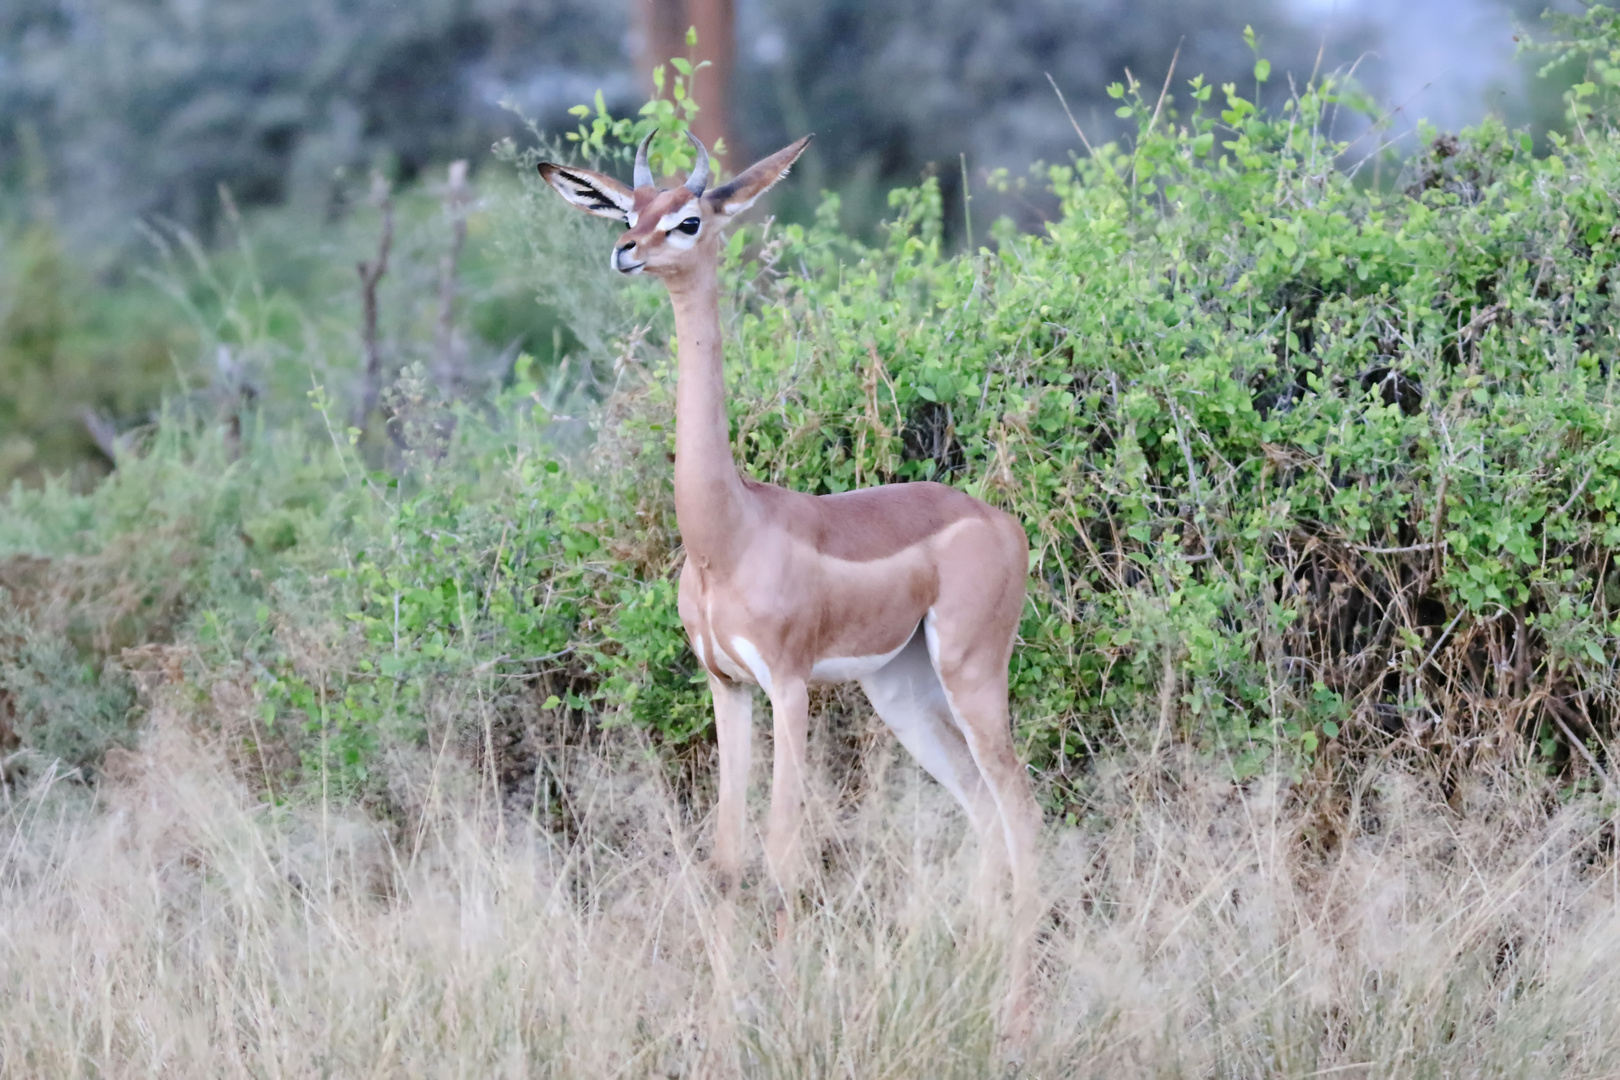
x: 730, y: 668
x: 837, y: 669
x: 832, y: 669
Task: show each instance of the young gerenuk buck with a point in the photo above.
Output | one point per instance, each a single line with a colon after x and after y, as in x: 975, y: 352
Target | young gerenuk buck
x: 913, y: 590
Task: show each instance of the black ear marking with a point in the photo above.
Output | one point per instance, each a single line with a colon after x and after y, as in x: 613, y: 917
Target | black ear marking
x: 593, y: 193
x: 584, y: 189
x: 599, y: 201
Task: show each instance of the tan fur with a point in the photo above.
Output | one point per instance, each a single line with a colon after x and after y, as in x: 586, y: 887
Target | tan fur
x: 776, y: 581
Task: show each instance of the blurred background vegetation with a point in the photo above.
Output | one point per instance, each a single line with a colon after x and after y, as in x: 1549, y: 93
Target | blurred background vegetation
x: 122, y: 109
x: 131, y: 127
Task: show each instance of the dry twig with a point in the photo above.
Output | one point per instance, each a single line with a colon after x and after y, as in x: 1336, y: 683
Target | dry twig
x: 371, y: 273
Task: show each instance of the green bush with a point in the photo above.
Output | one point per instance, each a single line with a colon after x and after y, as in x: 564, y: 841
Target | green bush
x: 1309, y: 467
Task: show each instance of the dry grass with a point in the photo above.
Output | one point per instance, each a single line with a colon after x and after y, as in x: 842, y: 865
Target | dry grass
x: 170, y: 926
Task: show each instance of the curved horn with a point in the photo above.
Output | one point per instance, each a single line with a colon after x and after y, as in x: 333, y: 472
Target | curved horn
x: 699, y: 179
x: 643, y: 176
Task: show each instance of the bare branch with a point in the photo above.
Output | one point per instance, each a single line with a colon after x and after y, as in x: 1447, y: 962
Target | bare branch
x: 1555, y: 709
x: 1061, y: 101
x: 1165, y: 89
x: 1367, y: 549
x: 102, y: 433
x: 370, y: 274
x: 1576, y: 494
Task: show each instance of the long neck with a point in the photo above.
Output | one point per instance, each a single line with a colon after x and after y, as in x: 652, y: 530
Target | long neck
x: 709, y: 496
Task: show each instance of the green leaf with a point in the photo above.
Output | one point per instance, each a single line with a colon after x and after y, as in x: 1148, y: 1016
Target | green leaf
x: 1262, y: 70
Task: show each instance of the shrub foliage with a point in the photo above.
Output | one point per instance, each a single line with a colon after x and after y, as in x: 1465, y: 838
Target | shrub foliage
x: 1310, y: 466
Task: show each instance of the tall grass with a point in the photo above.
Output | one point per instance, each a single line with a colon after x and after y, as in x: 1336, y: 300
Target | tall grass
x: 174, y: 926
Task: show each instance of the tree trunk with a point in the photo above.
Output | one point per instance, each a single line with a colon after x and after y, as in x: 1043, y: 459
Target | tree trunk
x: 661, y: 34
x: 716, y: 22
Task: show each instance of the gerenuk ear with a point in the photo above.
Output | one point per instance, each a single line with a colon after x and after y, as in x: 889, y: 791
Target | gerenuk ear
x: 592, y: 192
x: 732, y: 198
